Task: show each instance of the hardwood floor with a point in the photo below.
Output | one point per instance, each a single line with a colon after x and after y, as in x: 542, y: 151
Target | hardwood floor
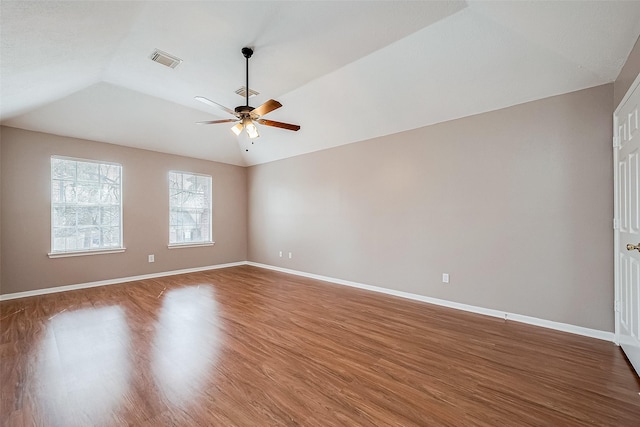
x: 245, y: 346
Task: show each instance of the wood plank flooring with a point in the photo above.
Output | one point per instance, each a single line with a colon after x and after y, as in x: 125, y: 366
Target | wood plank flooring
x: 245, y: 346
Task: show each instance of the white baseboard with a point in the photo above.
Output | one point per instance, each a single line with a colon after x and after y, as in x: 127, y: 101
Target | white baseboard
x: 564, y: 327
x: 115, y: 281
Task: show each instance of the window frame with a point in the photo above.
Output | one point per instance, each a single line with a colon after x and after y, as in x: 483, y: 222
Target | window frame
x: 90, y: 251
x: 207, y: 241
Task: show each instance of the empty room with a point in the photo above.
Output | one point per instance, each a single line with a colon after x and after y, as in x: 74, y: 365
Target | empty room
x: 319, y: 213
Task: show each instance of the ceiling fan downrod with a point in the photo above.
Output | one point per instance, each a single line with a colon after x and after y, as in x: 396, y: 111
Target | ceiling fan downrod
x: 247, y: 52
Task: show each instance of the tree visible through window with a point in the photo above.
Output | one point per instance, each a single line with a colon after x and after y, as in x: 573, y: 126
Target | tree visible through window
x: 190, y: 208
x: 86, y: 205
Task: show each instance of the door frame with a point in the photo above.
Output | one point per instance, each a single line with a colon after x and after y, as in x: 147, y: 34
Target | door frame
x: 616, y: 213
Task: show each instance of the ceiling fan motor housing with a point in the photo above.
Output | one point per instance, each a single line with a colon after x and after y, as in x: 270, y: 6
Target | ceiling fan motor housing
x: 244, y: 109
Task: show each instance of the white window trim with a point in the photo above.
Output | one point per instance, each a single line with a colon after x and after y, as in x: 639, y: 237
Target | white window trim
x: 99, y: 251
x: 189, y: 245
x: 84, y: 253
x: 210, y: 241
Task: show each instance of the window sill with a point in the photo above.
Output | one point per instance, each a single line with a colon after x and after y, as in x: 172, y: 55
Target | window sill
x: 190, y: 245
x: 84, y: 253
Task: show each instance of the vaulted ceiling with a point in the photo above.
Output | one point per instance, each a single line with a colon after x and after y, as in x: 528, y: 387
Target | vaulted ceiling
x: 345, y: 71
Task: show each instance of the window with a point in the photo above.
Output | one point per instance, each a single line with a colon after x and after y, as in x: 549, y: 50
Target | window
x: 86, y: 206
x: 190, y: 209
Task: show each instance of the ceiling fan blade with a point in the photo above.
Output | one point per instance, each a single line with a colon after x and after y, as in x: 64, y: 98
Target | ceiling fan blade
x: 215, y: 104
x: 267, y: 107
x: 213, y: 122
x: 278, y: 124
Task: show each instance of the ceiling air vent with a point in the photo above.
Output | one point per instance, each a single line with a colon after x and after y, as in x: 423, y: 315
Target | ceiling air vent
x: 243, y: 92
x: 165, y: 59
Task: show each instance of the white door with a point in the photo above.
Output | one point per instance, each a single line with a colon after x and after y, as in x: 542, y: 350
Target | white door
x: 627, y: 214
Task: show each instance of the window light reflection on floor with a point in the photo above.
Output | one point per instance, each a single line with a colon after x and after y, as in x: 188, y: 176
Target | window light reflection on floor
x: 83, y: 366
x: 186, y: 343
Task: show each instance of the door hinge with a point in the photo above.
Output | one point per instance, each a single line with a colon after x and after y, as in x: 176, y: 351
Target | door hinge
x: 616, y: 141
x: 616, y: 224
x: 616, y: 307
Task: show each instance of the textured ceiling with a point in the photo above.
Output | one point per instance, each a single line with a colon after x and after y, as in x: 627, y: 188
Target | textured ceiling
x: 345, y: 71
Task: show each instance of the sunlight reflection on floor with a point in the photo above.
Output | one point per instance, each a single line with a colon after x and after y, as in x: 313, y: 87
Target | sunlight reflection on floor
x: 83, y: 366
x: 186, y: 344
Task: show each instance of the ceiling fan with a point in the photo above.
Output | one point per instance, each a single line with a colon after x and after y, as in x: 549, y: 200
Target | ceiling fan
x: 245, y: 115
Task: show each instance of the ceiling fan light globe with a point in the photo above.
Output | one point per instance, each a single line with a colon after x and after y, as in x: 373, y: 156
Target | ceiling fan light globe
x: 250, y: 127
x: 252, y: 131
x: 236, y: 130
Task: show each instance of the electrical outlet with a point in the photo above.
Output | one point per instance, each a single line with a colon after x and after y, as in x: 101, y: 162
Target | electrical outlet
x: 290, y: 255
x: 445, y: 277
x: 152, y: 258
x: 280, y: 254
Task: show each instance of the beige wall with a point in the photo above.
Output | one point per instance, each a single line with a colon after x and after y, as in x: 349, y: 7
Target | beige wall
x: 1, y: 210
x: 627, y: 75
x: 25, y: 213
x: 516, y: 205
